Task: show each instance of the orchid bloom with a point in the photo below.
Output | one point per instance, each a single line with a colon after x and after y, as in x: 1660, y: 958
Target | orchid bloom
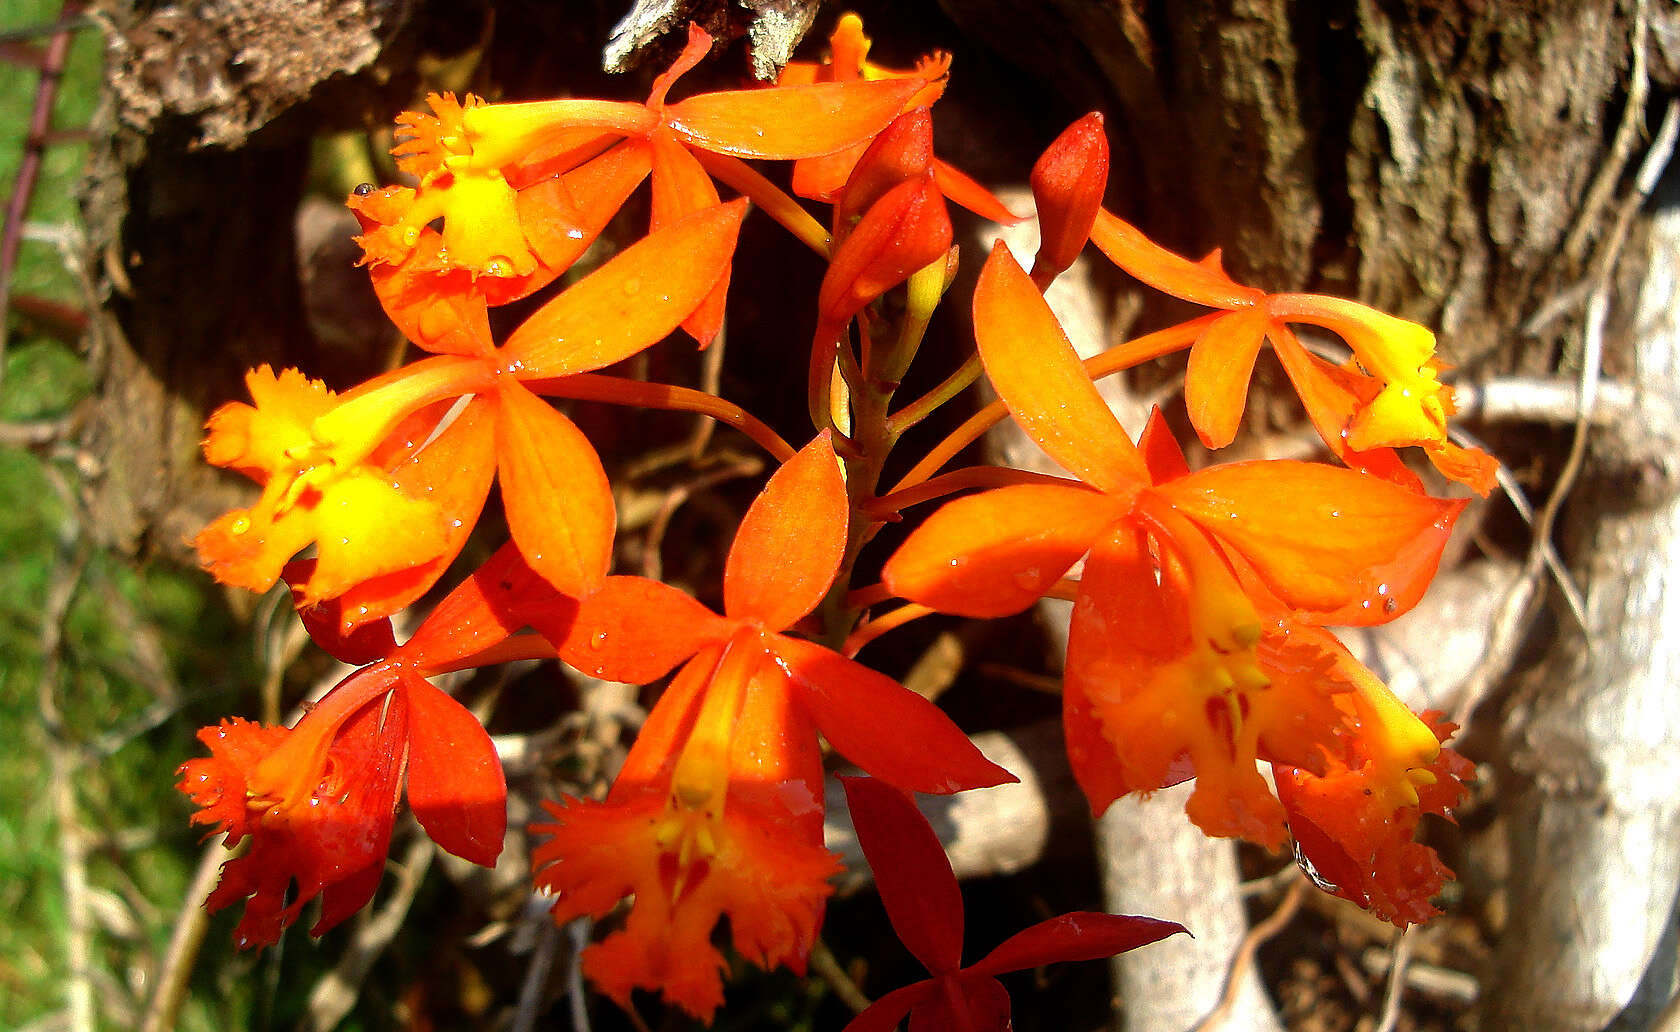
x: 1358, y: 842
x: 388, y: 479
x: 821, y: 178
x: 719, y: 807
x: 489, y: 170
x: 318, y: 799
x: 919, y: 890
x: 1387, y: 396
x: 1172, y: 667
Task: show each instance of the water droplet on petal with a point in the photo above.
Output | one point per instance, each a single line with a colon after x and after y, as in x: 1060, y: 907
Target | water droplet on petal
x: 240, y: 525
x: 1390, y: 604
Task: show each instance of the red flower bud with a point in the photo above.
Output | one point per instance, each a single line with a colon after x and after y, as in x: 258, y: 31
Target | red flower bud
x: 1067, y: 185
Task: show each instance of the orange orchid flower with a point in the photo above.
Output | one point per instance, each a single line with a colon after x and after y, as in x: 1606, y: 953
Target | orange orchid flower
x: 719, y: 807
x: 1359, y: 844
x: 1165, y: 635
x: 823, y: 177
x: 318, y: 800
x: 388, y: 479
x: 489, y: 170
x: 1387, y: 396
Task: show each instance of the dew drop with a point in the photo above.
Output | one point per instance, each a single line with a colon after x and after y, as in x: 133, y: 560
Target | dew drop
x: 598, y: 640
x: 1390, y: 604
x: 498, y: 267
x: 240, y: 525
x: 574, y: 233
x: 959, y: 562
x: 363, y: 189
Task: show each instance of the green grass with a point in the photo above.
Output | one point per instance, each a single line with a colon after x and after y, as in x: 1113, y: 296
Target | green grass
x: 130, y: 637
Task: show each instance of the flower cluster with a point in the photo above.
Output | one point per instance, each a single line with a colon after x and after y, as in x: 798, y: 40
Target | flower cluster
x: 1199, y: 644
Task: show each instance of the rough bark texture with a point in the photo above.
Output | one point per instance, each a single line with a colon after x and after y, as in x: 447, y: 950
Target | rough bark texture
x: 1595, y: 822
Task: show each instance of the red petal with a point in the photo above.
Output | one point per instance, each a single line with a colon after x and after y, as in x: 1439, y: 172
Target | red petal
x: 558, y: 501
x: 906, y: 229
x: 1077, y: 936
x: 885, y: 1014
x: 483, y: 610
x: 791, y: 541
x: 882, y: 726
x: 635, y: 630
x: 997, y: 552
x: 1040, y: 378
x: 1068, y: 181
x: 903, y: 150
x: 325, y: 623
x: 1216, y: 380
x: 455, y: 783
x: 1324, y: 539
x: 787, y: 122
x: 1160, y: 450
x: 629, y: 303
x: 912, y: 873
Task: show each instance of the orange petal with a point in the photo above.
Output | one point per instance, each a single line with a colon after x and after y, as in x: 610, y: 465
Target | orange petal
x: 629, y: 303
x: 822, y: 178
x: 681, y: 186
x: 882, y: 726
x: 481, y: 611
x: 1040, y: 378
x: 1203, y: 282
x: 1325, y: 539
x: 635, y: 630
x: 996, y: 553
x: 455, y: 783
x: 791, y: 541
x: 962, y: 189
x: 558, y: 501
x: 781, y: 123
x: 1216, y: 380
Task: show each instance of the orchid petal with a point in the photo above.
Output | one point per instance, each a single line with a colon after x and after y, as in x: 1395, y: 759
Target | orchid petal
x: 791, y: 541
x: 629, y: 303
x: 680, y: 187
x: 455, y: 783
x: 882, y: 726
x: 886, y: 1013
x: 453, y: 471
x: 1203, y: 282
x: 1216, y: 379
x: 997, y: 552
x: 1081, y: 935
x: 1041, y: 379
x: 484, y: 610
x: 1323, y: 538
x: 635, y: 630
x: 960, y: 188
x: 558, y: 501
x: 788, y: 122
x: 912, y: 873
x: 1160, y: 450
